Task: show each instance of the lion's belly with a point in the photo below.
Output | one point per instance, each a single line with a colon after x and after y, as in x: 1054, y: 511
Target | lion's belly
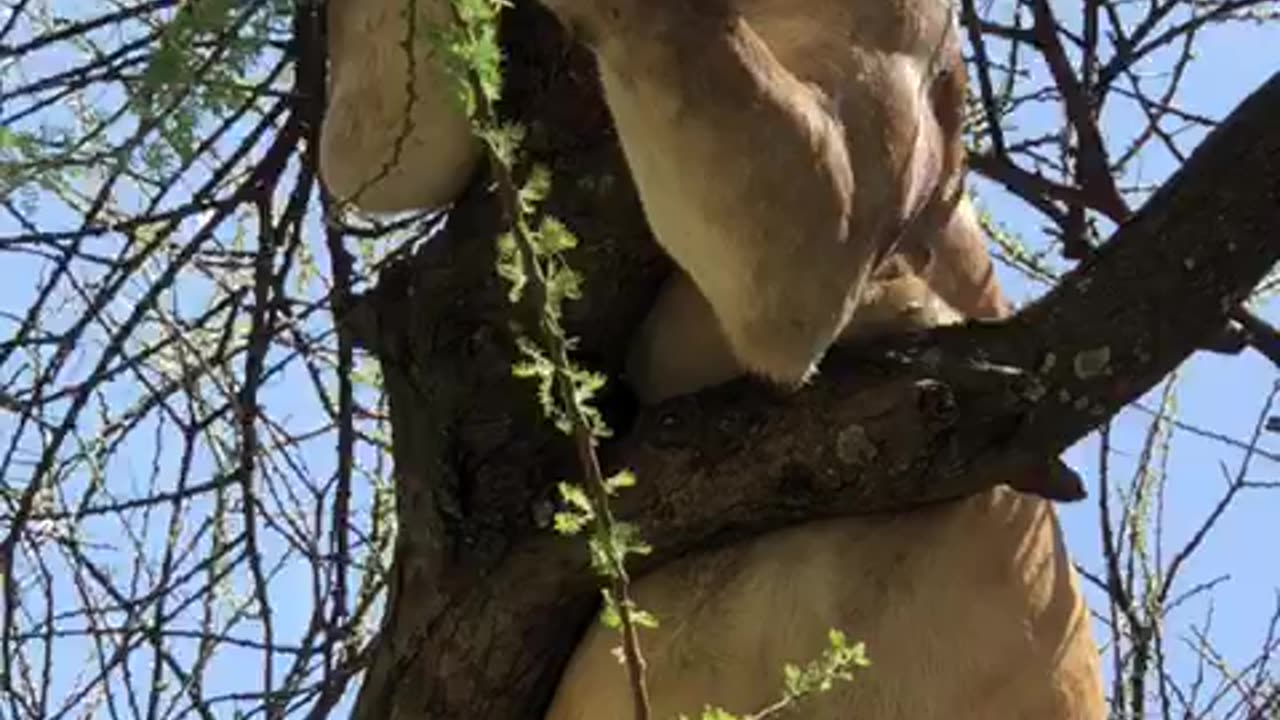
x: 968, y: 611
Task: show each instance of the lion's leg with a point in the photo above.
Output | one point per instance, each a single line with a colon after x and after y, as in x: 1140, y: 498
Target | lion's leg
x: 395, y: 136
x: 742, y: 169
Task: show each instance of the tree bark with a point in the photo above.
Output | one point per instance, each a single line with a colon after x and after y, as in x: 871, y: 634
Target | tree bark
x: 486, y: 603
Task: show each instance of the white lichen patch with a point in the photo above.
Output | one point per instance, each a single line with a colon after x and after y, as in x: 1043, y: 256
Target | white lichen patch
x: 1092, y: 363
x: 853, y: 447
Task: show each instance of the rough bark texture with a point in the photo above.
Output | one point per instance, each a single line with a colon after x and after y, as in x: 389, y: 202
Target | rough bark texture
x: 485, y: 603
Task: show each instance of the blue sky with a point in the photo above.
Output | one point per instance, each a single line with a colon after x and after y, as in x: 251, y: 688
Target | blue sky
x: 1223, y: 394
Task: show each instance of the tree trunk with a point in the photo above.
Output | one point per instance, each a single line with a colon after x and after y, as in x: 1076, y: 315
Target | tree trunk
x: 486, y: 603
x: 476, y: 460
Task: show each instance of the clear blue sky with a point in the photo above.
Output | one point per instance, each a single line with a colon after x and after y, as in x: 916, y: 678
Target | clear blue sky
x: 1223, y: 394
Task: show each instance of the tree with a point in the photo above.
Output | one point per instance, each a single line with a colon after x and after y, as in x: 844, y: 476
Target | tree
x: 201, y: 315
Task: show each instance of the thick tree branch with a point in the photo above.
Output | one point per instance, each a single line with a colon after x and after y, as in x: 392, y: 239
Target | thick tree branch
x: 990, y: 396
x: 482, y: 617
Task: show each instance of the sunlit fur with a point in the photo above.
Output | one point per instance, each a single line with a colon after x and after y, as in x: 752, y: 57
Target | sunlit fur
x: 968, y: 612
x: 800, y: 161
x: 394, y: 137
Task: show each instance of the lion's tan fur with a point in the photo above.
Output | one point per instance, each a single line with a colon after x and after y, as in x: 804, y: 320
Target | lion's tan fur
x: 800, y: 160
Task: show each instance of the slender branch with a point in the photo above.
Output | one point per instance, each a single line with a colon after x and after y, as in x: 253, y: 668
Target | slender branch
x: 1094, y: 170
